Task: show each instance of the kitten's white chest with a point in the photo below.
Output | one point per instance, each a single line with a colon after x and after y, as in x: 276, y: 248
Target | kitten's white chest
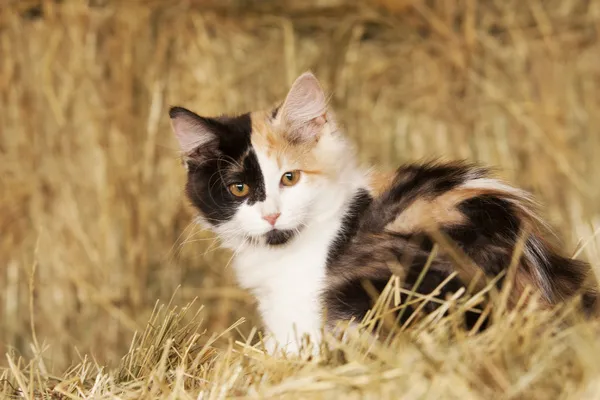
x: 288, y: 282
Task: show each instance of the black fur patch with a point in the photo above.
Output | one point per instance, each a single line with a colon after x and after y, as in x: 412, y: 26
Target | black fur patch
x: 253, y: 176
x: 215, y: 165
x: 489, y: 217
x: 352, y: 300
x: 275, y: 111
x: 278, y: 237
x: 350, y: 224
x: 430, y: 179
x: 490, y: 233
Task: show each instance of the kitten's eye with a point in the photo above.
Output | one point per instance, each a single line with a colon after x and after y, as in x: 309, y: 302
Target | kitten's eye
x: 239, y: 189
x: 290, y: 178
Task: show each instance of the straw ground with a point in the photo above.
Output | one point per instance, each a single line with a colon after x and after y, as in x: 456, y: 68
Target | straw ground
x: 95, y: 228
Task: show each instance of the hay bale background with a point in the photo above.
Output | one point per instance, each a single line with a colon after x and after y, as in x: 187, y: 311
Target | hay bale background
x: 91, y: 188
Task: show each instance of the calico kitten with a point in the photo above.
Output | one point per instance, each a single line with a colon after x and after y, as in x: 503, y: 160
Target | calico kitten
x: 283, y: 189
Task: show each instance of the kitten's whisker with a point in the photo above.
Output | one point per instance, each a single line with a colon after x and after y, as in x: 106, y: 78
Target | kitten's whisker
x: 235, y: 253
x: 211, y: 248
x: 188, y: 226
x: 196, y: 241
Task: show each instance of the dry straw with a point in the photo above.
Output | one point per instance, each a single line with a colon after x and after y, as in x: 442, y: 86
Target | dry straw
x: 95, y: 228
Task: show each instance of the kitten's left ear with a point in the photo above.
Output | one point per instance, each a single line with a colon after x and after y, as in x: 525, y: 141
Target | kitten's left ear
x: 304, y: 110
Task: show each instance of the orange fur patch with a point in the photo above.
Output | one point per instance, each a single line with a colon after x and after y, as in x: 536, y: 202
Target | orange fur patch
x: 380, y: 181
x: 425, y: 214
x: 270, y: 138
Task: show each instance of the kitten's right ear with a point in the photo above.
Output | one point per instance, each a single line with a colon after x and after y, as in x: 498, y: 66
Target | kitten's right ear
x: 191, y: 130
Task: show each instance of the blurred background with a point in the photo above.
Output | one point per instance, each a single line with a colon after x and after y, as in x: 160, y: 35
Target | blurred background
x: 94, y: 227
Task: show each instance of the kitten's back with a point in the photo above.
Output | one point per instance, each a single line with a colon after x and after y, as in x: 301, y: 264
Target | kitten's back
x: 479, y: 223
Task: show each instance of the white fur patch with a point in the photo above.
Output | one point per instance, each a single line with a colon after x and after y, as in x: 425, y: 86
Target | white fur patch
x: 494, y: 184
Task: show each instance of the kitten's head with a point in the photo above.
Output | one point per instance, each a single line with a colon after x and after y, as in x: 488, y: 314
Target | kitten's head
x: 264, y: 176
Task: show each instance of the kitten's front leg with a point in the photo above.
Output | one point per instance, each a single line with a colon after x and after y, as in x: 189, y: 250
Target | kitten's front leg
x: 293, y: 348
x: 288, y: 313
x: 291, y: 333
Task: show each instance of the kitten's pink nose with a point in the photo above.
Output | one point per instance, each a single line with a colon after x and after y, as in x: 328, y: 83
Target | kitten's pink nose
x: 271, y: 218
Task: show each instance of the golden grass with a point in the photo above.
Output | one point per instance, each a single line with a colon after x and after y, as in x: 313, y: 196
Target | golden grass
x: 95, y: 228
